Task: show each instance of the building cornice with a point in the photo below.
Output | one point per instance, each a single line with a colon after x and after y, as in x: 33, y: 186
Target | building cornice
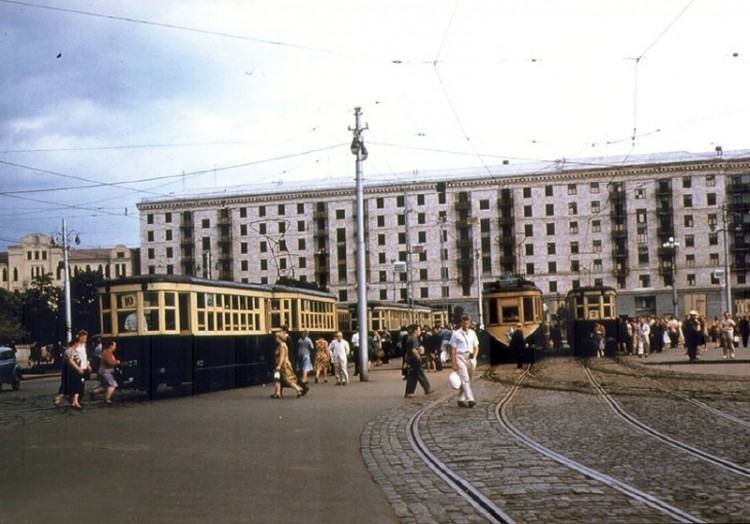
x: 565, y: 174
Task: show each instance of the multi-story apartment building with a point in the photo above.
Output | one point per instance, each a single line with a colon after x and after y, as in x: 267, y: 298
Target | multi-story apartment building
x: 37, y: 254
x: 563, y: 224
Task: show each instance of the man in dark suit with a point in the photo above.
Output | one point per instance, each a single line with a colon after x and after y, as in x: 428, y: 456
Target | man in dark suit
x: 518, y: 345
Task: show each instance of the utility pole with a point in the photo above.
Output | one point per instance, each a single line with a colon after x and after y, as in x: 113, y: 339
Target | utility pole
x: 358, y: 149
x: 63, y: 238
x: 409, y: 280
x: 727, y: 274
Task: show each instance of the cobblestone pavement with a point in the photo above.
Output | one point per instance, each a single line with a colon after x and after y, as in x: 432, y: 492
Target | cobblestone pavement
x: 676, y: 417
x: 559, y: 409
x: 730, y: 394
x: 526, y: 485
x: 33, y: 403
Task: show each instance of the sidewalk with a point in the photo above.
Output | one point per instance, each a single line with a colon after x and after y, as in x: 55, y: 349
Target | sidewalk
x: 709, y: 362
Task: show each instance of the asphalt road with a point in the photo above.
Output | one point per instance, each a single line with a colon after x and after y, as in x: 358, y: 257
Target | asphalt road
x: 232, y: 456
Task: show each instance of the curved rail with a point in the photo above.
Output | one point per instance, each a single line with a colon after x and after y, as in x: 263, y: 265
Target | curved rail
x: 713, y: 459
x: 682, y: 396
x: 460, y: 485
x: 626, y: 489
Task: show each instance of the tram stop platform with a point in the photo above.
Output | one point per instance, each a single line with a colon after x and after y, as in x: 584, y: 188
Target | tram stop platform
x: 710, y: 361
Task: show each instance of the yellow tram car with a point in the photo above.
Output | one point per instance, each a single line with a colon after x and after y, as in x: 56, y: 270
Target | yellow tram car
x: 204, y: 335
x: 508, y: 302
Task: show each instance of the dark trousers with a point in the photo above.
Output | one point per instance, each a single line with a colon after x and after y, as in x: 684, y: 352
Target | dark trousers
x: 692, y: 350
x: 745, y: 338
x: 414, y: 375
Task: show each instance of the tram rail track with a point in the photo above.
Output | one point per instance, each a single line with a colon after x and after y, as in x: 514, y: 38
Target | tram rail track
x: 675, y: 443
x: 630, y: 491
x: 463, y: 487
x: 697, y: 403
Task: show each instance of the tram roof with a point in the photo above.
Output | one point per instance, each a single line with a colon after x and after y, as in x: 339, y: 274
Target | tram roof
x: 185, y: 279
x: 589, y: 289
x: 392, y: 305
x: 510, y: 282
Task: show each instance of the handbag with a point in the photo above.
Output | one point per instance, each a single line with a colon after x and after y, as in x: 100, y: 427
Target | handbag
x: 276, y: 375
x: 665, y: 337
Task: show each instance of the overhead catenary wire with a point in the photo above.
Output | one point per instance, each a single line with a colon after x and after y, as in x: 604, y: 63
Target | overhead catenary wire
x: 176, y: 27
x: 125, y: 183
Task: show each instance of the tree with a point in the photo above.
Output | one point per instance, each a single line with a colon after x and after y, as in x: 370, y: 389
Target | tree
x: 84, y: 300
x: 11, y: 313
x: 41, y: 310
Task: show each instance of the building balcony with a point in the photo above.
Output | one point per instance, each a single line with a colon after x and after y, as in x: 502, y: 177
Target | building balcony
x: 464, y: 243
x: 321, y: 233
x: 320, y: 214
x: 506, y: 220
x: 738, y: 188
x: 463, y: 205
x: 187, y: 242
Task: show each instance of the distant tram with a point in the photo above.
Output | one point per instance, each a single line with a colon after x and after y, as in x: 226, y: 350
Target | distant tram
x: 204, y: 335
x: 390, y: 317
x: 507, y: 302
x: 588, y: 306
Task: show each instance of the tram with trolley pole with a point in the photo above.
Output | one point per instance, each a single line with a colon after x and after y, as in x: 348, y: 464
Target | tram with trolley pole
x: 199, y: 335
x: 390, y: 317
x: 508, y: 302
x: 588, y: 307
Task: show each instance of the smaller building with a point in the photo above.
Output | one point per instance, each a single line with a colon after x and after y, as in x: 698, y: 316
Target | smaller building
x: 37, y: 254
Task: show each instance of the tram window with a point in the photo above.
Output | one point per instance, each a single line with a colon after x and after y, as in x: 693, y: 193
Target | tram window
x: 151, y: 299
x: 184, y: 311
x: 106, y: 322
x: 169, y: 299
x: 106, y: 302
x: 151, y: 318
x: 201, y: 300
x: 201, y: 321
x: 210, y: 321
x: 209, y: 299
x: 608, y: 311
x: 170, y: 320
x: 128, y: 320
x: 528, y: 309
x: 510, y: 314
x: 494, y: 318
x: 219, y: 322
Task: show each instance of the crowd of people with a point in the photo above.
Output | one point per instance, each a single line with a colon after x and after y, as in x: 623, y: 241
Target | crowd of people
x: 653, y: 334
x: 422, y: 350
x: 78, y: 366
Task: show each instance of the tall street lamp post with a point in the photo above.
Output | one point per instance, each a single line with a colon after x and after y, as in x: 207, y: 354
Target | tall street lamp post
x: 672, y: 245
x: 64, y: 237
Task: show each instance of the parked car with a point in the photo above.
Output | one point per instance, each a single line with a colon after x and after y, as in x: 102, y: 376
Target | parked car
x: 10, y: 371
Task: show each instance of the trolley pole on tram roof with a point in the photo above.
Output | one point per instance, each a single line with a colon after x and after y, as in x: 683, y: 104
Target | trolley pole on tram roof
x: 358, y: 149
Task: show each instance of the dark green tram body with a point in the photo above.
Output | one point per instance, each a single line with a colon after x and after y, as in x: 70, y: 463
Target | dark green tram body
x: 193, y: 335
x: 588, y: 306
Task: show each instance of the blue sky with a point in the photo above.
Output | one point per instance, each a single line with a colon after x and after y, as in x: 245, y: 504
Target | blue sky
x: 89, y: 98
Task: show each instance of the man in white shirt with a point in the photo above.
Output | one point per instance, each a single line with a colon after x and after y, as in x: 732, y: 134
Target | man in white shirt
x: 464, y: 350
x: 339, y: 349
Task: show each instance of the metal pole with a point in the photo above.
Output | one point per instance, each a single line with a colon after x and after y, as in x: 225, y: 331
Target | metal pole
x: 674, y: 284
x: 479, y: 284
x: 66, y: 281
x: 361, y: 266
x: 727, y: 275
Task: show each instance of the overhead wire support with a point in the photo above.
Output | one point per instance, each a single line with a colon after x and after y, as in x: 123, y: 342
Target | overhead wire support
x: 360, y: 151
